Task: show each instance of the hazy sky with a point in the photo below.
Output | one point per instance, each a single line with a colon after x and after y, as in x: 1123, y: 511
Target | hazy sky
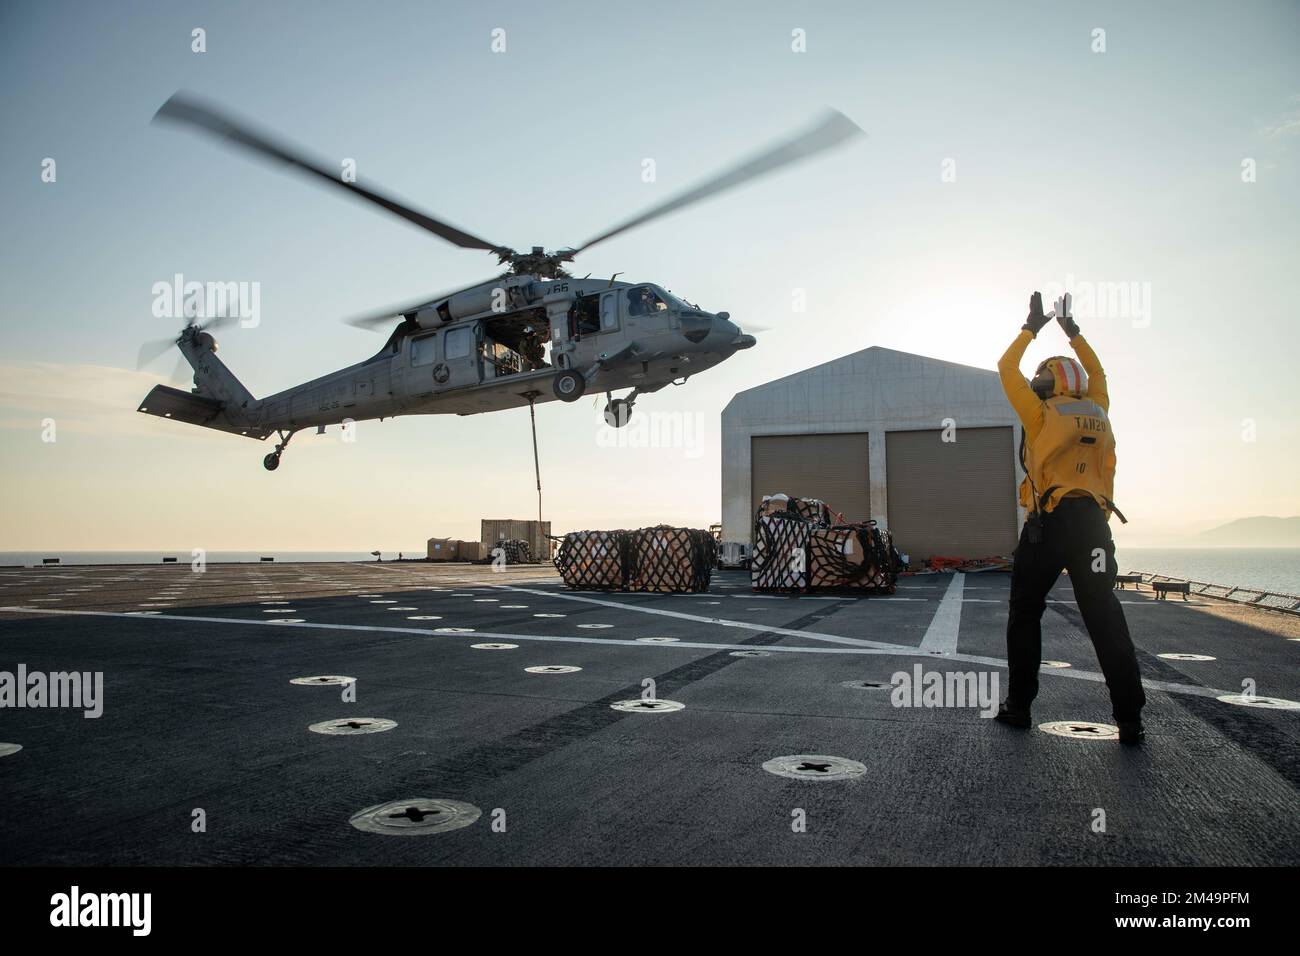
x: 1098, y: 168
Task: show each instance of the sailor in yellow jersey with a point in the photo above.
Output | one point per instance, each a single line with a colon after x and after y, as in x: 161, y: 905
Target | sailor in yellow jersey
x: 1068, y: 453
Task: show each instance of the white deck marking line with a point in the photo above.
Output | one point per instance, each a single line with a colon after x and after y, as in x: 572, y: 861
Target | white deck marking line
x: 717, y: 621
x: 431, y: 568
x: 886, y: 650
x: 472, y: 632
x: 432, y: 580
x: 941, y: 635
x: 771, y: 597
x: 1135, y: 603
x: 805, y: 597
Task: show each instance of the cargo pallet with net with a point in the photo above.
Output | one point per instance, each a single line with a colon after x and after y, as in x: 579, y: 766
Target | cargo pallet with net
x: 662, y: 559
x: 799, y: 546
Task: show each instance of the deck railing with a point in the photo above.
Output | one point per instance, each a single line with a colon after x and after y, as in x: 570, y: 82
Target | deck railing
x: 1255, y: 597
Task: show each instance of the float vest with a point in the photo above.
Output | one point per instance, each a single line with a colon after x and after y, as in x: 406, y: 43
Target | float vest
x: 1073, y: 452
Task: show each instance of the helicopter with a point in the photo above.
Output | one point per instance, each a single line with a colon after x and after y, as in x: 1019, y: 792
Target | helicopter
x: 534, y: 333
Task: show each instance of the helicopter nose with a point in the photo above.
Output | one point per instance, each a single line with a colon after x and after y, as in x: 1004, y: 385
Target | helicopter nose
x: 727, y: 337
x: 697, y: 328
x: 710, y: 332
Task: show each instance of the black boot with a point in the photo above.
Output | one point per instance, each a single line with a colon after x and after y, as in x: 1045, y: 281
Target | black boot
x: 1013, y: 716
x: 1131, y: 732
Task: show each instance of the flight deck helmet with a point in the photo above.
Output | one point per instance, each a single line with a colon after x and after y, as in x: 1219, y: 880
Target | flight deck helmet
x: 1059, y: 375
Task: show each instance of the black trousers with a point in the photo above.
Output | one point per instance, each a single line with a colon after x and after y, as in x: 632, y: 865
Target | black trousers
x: 1076, y: 537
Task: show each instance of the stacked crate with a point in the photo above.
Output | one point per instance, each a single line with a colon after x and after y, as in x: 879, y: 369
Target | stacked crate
x: 537, y: 534
x: 797, y: 547
x: 443, y: 549
x: 453, y: 549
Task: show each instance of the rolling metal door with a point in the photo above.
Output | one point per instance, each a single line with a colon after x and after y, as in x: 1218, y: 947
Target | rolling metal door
x: 833, y: 468
x: 952, y: 499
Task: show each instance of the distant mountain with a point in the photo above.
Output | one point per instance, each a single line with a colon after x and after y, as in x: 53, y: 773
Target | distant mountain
x: 1261, y: 531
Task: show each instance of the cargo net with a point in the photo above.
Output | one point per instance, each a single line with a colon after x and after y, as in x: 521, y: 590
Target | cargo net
x: 854, y: 556
x: 798, y: 546
x: 813, y: 510
x: 673, y: 560
x: 592, y: 560
x: 661, y: 559
x: 515, y: 552
x: 780, y: 559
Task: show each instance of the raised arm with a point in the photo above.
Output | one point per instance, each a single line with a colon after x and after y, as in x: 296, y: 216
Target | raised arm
x: 1096, y: 374
x: 1087, y: 357
x: 1022, y: 398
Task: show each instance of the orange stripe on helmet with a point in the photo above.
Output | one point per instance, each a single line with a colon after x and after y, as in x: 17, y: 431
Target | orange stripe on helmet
x: 1071, y: 374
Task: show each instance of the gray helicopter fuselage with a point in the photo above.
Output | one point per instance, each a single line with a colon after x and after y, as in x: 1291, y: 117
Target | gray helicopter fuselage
x: 468, y: 354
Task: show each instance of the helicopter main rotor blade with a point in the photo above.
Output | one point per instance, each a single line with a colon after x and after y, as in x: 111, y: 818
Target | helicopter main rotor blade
x: 183, y: 109
x: 376, y: 320
x: 834, y: 129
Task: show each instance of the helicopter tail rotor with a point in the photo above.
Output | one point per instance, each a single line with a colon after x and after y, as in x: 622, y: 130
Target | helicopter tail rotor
x: 155, y: 349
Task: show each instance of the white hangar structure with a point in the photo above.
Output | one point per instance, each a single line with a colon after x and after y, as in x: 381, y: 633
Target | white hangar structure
x: 928, y: 448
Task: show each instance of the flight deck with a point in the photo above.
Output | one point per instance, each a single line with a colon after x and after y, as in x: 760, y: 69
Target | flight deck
x: 423, y: 714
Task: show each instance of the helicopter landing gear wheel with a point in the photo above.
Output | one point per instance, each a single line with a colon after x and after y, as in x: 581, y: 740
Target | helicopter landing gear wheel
x: 617, y: 412
x: 272, y: 461
x: 569, y: 385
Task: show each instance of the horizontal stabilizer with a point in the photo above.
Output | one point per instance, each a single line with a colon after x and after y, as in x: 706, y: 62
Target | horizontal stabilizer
x: 167, y: 402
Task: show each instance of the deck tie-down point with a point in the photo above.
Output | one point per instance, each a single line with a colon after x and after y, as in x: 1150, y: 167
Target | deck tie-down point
x: 414, y: 814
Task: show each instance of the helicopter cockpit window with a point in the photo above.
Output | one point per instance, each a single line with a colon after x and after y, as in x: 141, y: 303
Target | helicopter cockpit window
x: 674, y: 302
x: 424, y: 350
x: 643, y: 300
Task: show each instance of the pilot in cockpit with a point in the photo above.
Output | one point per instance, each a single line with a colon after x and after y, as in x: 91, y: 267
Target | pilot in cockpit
x: 643, y: 301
